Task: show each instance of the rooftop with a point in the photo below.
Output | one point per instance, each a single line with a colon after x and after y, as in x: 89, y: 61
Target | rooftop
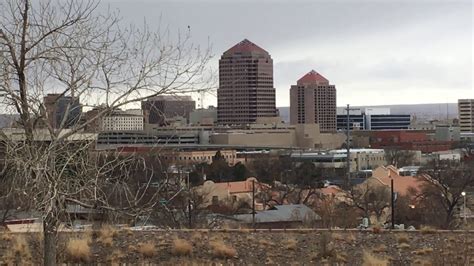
x: 245, y: 46
x: 281, y: 213
x: 312, y: 77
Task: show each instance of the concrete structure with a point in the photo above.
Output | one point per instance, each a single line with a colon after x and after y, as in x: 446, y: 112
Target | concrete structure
x: 158, y: 110
x: 62, y: 111
x: 361, y: 159
x: 122, y: 121
x: 117, y: 139
x: 466, y: 115
x: 183, y: 157
x: 246, y: 89
x: 279, y: 135
x: 313, y: 100
x: 205, y: 117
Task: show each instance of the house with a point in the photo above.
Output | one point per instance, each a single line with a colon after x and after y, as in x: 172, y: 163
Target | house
x: 282, y: 216
x: 225, y: 193
x: 403, y: 185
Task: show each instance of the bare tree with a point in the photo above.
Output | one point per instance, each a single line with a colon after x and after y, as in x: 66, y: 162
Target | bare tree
x: 69, y: 48
x: 399, y: 158
x: 447, y: 180
x: 371, y: 198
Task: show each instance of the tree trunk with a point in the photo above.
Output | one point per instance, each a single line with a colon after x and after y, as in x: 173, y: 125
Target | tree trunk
x: 49, y: 245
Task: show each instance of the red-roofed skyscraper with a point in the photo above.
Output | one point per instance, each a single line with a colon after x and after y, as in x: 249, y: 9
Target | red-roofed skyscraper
x: 245, y: 85
x: 313, y: 100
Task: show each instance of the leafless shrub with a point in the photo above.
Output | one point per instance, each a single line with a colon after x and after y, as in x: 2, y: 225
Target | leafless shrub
x: 147, y: 249
x: 425, y: 229
x: 291, y: 244
x: 403, y: 238
x: 106, y: 235
x: 403, y: 246
x: 181, y: 247
x: 79, y: 249
x: 423, y: 251
x: 221, y: 250
x: 369, y: 259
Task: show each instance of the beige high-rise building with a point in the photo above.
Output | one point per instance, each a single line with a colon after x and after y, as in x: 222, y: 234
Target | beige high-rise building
x: 245, y: 85
x: 313, y: 101
x: 466, y: 115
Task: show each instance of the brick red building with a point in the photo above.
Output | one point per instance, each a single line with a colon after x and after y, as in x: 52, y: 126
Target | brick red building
x: 313, y: 101
x: 407, y: 140
x: 245, y: 85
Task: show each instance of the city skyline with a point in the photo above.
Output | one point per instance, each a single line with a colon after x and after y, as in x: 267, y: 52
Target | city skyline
x: 389, y: 51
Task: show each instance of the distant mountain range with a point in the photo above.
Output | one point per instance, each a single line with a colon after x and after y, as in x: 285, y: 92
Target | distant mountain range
x: 423, y: 112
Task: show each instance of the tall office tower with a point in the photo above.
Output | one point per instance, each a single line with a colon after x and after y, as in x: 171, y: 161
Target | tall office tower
x: 313, y: 100
x: 466, y: 115
x: 246, y: 89
x: 159, y: 109
x: 63, y: 111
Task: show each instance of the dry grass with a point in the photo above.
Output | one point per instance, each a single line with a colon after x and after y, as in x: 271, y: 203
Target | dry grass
x: 265, y: 243
x: 339, y: 237
x: 181, y: 247
x: 78, y: 249
x: 291, y: 244
x: 423, y: 251
x: 403, y: 238
x: 380, y: 249
x: 6, y: 237
x: 369, y: 259
x: 221, y: 250
x: 196, y: 237
x: 427, y: 230
x: 422, y: 262
x: 376, y: 229
x: 116, y: 256
x: 106, y: 235
x: 19, y: 253
x: 147, y: 249
x: 350, y: 238
x: 128, y: 231
x: 403, y: 246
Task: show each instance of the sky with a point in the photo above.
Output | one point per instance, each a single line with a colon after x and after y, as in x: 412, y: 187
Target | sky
x: 376, y: 52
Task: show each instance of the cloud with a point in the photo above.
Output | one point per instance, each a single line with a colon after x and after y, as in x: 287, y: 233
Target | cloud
x: 378, y: 50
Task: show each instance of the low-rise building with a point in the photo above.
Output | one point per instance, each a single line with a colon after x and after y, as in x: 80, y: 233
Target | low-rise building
x: 122, y: 121
x: 407, y: 140
x: 231, y: 193
x: 361, y: 159
x: 279, y: 135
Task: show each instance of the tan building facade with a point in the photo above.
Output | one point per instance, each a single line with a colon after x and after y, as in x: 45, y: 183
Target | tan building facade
x: 466, y: 115
x: 280, y: 135
x: 196, y: 156
x: 313, y: 101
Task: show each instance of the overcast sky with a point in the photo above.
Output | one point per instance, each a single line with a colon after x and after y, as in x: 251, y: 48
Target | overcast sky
x: 376, y: 52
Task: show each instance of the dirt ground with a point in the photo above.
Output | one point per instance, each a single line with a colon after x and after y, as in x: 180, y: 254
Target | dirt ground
x: 245, y: 247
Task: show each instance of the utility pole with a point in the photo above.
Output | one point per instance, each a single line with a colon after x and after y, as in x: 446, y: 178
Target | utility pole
x: 392, y: 203
x: 253, y: 204
x: 348, y: 147
x: 190, y: 220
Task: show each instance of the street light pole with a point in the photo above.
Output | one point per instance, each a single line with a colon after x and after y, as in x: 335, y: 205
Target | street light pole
x: 464, y: 207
